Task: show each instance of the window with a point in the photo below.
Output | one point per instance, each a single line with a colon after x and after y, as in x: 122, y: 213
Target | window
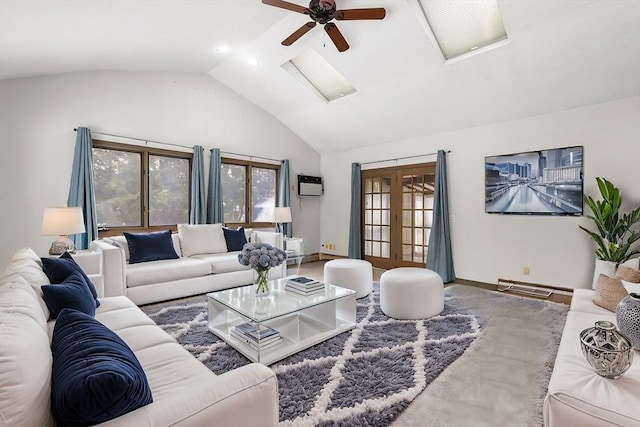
x: 248, y: 191
x: 140, y: 188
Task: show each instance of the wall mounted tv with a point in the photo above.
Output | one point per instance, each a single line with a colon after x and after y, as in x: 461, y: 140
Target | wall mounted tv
x: 545, y: 182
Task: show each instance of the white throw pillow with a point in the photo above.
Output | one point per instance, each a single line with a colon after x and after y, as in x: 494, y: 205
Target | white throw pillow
x: 197, y: 239
x: 25, y: 359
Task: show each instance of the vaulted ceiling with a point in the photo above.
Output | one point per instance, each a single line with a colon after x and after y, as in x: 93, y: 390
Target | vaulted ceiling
x: 561, y: 54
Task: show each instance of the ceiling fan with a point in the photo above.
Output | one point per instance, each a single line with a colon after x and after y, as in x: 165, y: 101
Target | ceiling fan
x: 322, y: 12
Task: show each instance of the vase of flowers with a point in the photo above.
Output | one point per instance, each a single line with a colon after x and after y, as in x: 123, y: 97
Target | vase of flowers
x: 261, y: 257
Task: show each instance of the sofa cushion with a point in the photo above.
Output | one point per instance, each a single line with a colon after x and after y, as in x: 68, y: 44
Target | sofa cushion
x: 223, y: 263
x: 25, y: 357
x: 144, y: 247
x: 609, y: 291
x: 166, y: 270
x: 27, y: 264
x: 58, y: 269
x: 72, y: 293
x: 201, y: 239
x: 235, y: 239
x: 96, y: 377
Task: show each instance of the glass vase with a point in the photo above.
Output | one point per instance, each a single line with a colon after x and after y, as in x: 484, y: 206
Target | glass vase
x: 261, y: 281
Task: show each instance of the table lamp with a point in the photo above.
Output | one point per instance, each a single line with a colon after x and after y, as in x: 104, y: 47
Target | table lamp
x: 62, y: 222
x: 281, y: 216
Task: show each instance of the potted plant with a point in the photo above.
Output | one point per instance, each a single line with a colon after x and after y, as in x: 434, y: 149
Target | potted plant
x: 615, y: 236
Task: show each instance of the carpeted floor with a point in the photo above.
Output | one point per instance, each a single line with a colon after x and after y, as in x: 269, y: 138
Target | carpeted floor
x: 370, y: 375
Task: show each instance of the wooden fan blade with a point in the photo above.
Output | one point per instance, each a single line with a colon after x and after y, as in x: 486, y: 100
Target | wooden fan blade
x: 353, y: 14
x: 288, y: 6
x: 298, y: 33
x: 336, y: 36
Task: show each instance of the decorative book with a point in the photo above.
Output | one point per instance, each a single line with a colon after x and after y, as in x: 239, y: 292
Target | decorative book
x: 301, y: 280
x: 257, y: 333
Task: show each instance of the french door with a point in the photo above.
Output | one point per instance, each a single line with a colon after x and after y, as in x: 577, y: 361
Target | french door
x: 397, y: 215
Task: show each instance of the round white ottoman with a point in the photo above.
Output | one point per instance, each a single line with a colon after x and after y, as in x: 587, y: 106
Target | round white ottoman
x: 354, y: 274
x: 411, y: 293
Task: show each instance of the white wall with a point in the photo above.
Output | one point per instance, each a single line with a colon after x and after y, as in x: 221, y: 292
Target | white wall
x: 487, y: 247
x: 37, y: 117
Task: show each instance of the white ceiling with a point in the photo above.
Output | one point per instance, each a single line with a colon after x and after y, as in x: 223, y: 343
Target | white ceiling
x: 561, y: 54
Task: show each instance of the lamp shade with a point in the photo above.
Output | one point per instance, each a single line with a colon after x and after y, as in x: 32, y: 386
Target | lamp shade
x: 281, y: 215
x: 62, y: 221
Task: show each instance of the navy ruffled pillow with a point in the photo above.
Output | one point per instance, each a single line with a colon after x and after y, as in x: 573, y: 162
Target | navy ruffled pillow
x: 235, y: 239
x: 58, y: 269
x: 73, y: 293
x: 96, y: 377
x: 154, y: 246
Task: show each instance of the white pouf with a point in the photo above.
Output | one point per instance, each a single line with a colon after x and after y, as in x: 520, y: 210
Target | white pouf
x: 411, y: 293
x: 354, y: 274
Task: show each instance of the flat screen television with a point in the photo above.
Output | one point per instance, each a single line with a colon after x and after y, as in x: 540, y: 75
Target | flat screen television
x: 545, y: 182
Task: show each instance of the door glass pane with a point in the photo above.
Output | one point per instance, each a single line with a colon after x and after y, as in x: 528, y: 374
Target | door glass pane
x: 368, y: 201
x: 386, y: 185
x: 263, y: 194
x: 386, y: 250
x: 406, y: 200
x: 417, y: 234
x: 406, y: 218
x: 168, y: 190
x: 376, y: 185
x: 376, y: 217
x: 427, y: 233
x: 386, y: 218
x: 368, y: 232
x: 368, y: 250
x: 368, y: 215
x: 417, y: 200
x: 386, y: 201
x: 376, y: 201
x: 376, y: 248
x: 384, y: 234
x: 118, y: 187
x: 428, y: 202
x: 407, y: 255
x: 367, y: 185
x: 418, y: 218
x: 406, y: 235
x: 428, y: 218
x: 417, y: 254
x: 234, y: 180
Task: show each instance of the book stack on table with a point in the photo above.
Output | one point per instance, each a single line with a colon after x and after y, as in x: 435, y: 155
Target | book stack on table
x: 258, y: 337
x: 304, y: 285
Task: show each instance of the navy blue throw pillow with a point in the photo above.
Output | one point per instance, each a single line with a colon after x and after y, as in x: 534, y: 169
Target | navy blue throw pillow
x: 58, y: 269
x: 235, y: 238
x: 154, y: 246
x: 72, y: 293
x: 95, y: 376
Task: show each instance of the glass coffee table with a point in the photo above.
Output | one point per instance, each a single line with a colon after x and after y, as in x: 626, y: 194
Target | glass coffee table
x: 301, y: 321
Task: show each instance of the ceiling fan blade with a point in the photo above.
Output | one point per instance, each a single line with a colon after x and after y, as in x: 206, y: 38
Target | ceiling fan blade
x: 336, y: 36
x: 298, y: 33
x: 286, y: 5
x: 353, y: 14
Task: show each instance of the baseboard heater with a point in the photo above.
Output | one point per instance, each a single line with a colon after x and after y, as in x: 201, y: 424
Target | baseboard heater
x: 524, y: 288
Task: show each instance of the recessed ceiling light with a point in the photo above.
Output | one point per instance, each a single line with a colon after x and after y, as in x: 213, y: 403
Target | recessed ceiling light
x: 253, y: 61
x: 222, y: 49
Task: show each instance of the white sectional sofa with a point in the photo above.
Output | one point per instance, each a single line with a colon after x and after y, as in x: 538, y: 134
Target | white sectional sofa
x: 190, y: 274
x: 577, y: 396
x: 184, y: 391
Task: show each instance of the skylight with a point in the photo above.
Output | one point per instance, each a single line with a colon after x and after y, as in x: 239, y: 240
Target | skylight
x: 464, y: 27
x: 318, y: 75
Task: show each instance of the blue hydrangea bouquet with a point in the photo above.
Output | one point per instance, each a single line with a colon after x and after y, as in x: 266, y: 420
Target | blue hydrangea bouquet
x: 261, y: 257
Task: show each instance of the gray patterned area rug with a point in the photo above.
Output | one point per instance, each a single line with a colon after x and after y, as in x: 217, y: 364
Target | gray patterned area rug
x: 364, y: 377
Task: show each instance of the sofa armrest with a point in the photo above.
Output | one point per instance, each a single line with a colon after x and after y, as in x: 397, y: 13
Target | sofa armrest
x: 113, y: 268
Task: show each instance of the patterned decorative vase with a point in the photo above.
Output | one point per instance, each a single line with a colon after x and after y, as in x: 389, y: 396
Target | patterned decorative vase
x: 608, y: 351
x: 261, y: 280
x: 628, y: 318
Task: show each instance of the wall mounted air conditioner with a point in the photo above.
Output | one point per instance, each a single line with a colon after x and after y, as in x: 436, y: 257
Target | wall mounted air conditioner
x: 310, y: 185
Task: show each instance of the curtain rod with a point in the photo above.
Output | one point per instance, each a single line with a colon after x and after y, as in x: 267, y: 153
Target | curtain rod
x: 402, y: 158
x: 139, y: 139
x: 250, y: 157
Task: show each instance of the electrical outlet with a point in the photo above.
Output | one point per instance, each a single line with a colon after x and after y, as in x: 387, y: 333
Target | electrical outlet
x: 525, y: 271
